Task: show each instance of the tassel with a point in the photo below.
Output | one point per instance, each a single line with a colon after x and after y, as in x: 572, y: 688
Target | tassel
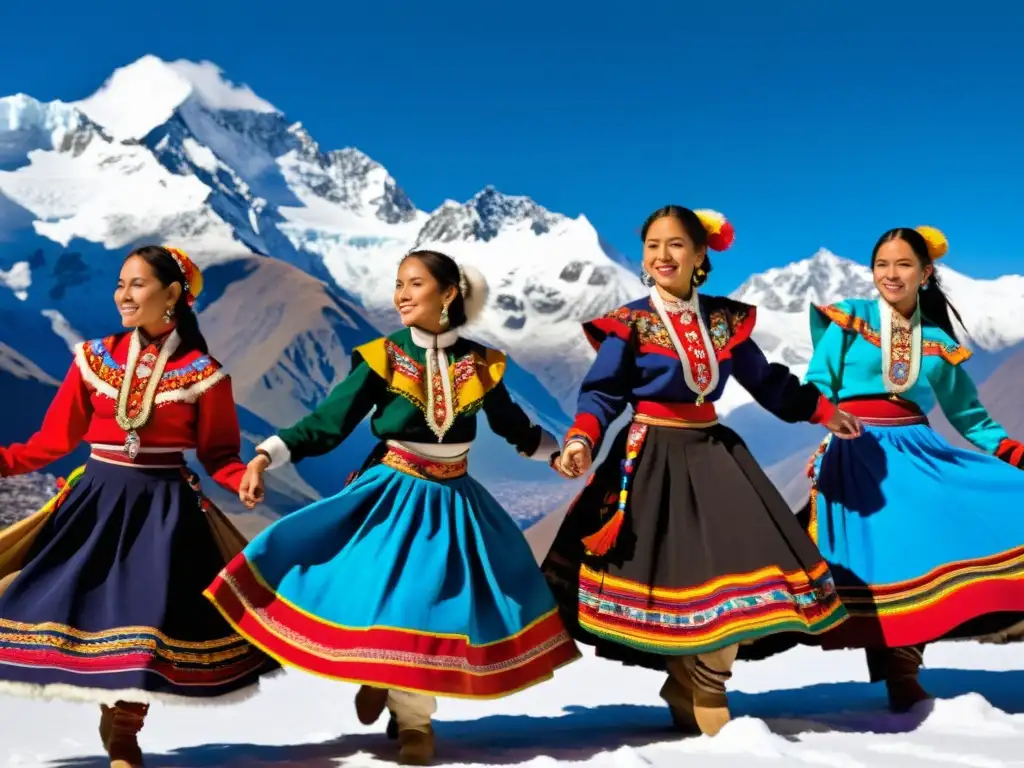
x: 599, y: 543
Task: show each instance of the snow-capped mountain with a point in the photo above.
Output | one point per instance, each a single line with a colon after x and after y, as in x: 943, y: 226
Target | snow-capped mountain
x: 992, y: 310
x: 300, y: 245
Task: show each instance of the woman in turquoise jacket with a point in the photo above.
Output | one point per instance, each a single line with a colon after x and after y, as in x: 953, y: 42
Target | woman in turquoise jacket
x: 925, y: 540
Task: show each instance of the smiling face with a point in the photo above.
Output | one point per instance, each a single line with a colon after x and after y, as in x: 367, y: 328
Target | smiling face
x: 670, y: 256
x: 418, y: 296
x: 899, y: 274
x: 141, y: 298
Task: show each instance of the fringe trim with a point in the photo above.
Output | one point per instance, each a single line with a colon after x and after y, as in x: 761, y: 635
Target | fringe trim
x: 89, y: 376
x: 184, y: 395
x: 110, y: 696
x: 193, y: 393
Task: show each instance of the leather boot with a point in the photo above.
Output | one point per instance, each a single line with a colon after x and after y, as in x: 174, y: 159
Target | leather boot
x: 899, y: 668
x: 106, y: 724
x: 370, y: 703
x: 695, y: 691
x: 416, y: 746
x: 123, y: 747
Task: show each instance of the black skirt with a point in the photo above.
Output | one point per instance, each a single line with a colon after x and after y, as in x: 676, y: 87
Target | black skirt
x: 708, y: 554
x: 108, y: 603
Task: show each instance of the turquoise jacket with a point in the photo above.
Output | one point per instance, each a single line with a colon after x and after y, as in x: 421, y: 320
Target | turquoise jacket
x: 850, y: 339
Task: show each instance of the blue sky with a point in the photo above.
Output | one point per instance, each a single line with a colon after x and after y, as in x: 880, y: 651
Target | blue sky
x: 808, y: 123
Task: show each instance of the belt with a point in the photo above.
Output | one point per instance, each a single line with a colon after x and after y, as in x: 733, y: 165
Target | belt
x: 884, y: 411
x: 676, y: 415
x: 424, y: 467
x: 152, y: 458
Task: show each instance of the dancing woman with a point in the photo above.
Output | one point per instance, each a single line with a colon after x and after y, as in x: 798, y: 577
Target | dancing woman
x: 412, y: 580
x: 680, y: 548
x: 924, y: 539
x: 101, y: 597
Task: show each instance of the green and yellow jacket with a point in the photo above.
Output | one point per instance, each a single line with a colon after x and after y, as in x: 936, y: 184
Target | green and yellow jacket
x: 421, y: 388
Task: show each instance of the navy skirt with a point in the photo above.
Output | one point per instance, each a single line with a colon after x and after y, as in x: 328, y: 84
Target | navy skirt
x: 108, y: 604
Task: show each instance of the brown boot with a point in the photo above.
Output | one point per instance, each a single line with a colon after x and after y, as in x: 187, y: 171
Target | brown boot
x: 416, y: 746
x: 899, y: 668
x: 370, y: 703
x: 695, y: 692
x: 127, y: 720
x: 106, y: 724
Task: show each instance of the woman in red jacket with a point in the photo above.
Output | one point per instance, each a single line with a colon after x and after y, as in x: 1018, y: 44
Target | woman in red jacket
x: 101, y: 596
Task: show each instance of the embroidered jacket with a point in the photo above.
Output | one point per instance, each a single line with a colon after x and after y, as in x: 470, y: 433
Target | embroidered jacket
x: 193, y: 408
x: 421, y: 388
x: 647, y: 353
x: 862, y: 349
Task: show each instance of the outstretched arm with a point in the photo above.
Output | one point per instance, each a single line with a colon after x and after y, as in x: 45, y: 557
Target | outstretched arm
x: 605, y: 391
x: 958, y: 398
x: 327, y: 427
x: 777, y: 390
x: 218, y: 442
x: 508, y: 420
x: 64, y: 426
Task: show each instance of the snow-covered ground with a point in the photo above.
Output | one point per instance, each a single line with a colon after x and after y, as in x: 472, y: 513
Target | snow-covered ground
x: 804, y: 708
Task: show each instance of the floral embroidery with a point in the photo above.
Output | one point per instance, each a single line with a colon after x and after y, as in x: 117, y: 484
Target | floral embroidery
x: 650, y: 330
x: 437, y: 399
x: 697, y: 355
x: 724, y: 324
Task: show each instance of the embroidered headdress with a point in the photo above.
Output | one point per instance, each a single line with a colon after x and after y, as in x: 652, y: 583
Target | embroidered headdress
x: 193, y: 282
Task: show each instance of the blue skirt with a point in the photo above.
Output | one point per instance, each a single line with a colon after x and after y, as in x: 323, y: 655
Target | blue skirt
x: 400, y: 581
x: 108, y: 603
x: 925, y: 540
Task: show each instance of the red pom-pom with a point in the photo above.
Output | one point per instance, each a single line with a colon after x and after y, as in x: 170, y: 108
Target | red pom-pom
x: 722, y: 240
x: 61, y: 482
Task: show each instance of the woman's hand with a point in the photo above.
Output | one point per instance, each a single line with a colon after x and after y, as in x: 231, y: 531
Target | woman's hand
x: 576, y: 459
x: 250, y: 490
x: 844, y: 425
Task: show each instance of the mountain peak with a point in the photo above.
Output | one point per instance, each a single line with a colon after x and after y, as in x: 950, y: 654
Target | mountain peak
x: 485, y: 216
x: 820, y: 279
x: 27, y: 124
x: 144, y: 94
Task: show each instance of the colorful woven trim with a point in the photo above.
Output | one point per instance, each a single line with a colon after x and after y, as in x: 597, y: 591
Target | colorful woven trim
x: 954, y: 355
x: 419, y: 466
x: 924, y: 609
x: 128, y: 649
x: 726, y: 610
x: 389, y: 657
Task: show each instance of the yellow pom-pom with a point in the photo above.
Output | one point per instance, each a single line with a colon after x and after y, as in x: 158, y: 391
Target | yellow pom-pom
x: 713, y: 221
x: 937, y: 243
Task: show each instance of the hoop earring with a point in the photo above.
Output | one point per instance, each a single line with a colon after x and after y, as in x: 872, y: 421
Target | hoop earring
x: 646, y: 279
x: 445, y: 322
x: 168, y: 314
x: 697, y: 278
x: 924, y: 286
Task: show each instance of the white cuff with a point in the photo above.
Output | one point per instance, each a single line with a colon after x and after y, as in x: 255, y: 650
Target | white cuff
x: 548, y: 445
x: 276, y: 449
